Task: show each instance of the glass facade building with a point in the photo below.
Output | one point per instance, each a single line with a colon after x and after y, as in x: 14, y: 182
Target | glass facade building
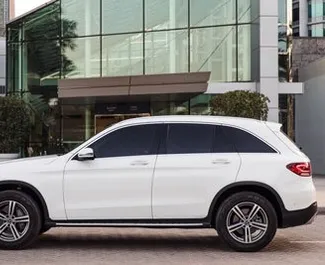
x: 308, y: 18
x: 71, y: 39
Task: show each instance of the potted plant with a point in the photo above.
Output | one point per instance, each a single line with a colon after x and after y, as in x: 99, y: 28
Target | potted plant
x: 14, y: 127
x: 240, y: 104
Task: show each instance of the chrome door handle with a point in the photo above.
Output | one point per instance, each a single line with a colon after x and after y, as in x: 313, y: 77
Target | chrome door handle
x: 221, y: 161
x: 139, y: 163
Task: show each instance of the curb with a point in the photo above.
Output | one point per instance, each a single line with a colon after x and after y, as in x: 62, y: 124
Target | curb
x: 321, y: 211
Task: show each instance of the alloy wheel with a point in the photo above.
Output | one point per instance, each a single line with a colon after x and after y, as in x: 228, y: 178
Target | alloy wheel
x: 247, y: 222
x: 14, y: 221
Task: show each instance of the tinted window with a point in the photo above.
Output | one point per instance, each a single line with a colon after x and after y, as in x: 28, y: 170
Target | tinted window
x: 130, y: 141
x: 245, y: 142
x: 221, y: 142
x: 189, y: 138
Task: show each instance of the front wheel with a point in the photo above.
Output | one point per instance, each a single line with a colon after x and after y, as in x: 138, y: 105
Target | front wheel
x: 246, y: 221
x: 20, y: 220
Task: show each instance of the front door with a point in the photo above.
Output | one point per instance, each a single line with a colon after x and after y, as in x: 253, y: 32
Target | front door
x: 117, y: 183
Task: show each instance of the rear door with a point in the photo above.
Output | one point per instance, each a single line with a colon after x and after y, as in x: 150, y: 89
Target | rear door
x: 194, y: 163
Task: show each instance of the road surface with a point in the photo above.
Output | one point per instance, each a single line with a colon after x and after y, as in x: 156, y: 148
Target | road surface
x: 92, y: 246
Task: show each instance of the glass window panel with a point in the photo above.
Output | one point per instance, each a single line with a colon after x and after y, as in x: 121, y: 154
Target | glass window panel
x: 214, y: 49
x: 2, y: 68
x: 200, y: 105
x: 282, y: 35
x: 166, y: 14
x: 316, y: 10
x: 43, y: 24
x: 282, y: 11
x: 221, y: 143
x: 166, y: 52
x: 13, y: 78
x: 190, y: 138
x: 122, y: 55
x: 122, y: 16
x: 39, y: 73
x: 74, y: 123
x: 81, y: 17
x: 212, y: 12
x: 41, y: 62
x: 317, y: 30
x: 131, y: 141
x: 246, y: 142
x: 244, y: 52
x: 283, y: 68
x: 245, y: 10
x: 13, y: 32
x: 81, y: 57
x: 295, y: 16
x: 160, y: 108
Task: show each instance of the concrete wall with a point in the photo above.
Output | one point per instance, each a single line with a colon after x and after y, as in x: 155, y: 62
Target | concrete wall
x: 310, y: 114
x: 306, y: 50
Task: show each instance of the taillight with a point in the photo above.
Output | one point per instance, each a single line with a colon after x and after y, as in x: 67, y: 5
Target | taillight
x: 301, y: 169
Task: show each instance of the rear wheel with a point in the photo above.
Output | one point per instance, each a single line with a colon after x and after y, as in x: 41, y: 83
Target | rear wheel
x: 20, y: 220
x: 246, y: 221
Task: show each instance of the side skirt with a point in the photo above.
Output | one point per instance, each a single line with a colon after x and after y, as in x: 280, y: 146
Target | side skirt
x: 191, y: 224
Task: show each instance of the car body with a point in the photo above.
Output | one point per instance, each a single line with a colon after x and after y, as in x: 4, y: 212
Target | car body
x: 166, y: 171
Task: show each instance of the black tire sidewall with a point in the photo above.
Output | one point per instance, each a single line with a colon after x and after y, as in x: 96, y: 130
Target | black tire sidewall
x: 229, y: 203
x: 34, y: 215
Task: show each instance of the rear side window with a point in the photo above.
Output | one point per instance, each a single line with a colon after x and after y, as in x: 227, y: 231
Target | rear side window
x: 221, y: 142
x: 245, y: 142
x: 190, y: 138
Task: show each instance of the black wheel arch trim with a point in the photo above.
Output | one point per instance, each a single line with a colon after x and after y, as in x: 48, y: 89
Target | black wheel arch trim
x: 34, y: 190
x: 239, y: 185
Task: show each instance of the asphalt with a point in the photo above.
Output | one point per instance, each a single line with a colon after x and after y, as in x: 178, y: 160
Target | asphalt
x: 130, y: 246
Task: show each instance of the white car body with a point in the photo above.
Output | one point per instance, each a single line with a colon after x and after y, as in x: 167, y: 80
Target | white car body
x: 161, y: 187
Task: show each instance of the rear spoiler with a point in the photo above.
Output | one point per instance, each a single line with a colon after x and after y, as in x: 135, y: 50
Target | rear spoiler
x: 274, y: 126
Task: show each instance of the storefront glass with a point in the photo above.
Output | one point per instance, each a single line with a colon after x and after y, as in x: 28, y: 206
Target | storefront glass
x: 105, y: 38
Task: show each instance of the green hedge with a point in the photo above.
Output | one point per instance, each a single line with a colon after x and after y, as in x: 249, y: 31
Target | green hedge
x: 14, y: 124
x: 240, y: 104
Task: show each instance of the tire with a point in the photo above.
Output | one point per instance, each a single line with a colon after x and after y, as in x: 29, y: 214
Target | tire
x: 246, y: 234
x: 25, y: 217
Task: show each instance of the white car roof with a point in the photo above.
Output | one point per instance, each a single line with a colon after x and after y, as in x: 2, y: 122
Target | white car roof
x: 257, y: 127
x: 236, y: 121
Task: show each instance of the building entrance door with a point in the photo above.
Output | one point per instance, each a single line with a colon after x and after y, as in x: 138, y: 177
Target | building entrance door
x: 105, y: 120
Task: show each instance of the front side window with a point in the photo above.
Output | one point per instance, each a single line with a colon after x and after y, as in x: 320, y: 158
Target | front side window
x: 130, y: 141
x: 190, y: 138
x: 245, y: 142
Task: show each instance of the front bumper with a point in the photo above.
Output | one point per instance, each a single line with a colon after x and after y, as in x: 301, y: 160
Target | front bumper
x: 300, y: 217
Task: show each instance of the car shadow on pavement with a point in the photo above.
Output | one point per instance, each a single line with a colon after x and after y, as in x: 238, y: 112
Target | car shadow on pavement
x: 129, y: 242
x: 149, y: 242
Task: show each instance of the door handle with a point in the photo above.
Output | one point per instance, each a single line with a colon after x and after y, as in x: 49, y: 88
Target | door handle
x: 221, y: 161
x: 139, y: 163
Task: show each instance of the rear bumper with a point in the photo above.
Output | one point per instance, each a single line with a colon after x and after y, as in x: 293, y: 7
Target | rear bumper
x: 300, y: 217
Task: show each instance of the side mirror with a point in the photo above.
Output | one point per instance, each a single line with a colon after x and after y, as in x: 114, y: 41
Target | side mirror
x: 86, y: 154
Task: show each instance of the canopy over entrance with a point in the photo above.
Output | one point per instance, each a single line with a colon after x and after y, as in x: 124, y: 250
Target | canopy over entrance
x: 138, y: 86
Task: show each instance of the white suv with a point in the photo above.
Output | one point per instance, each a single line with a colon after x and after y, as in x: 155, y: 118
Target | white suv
x: 242, y: 177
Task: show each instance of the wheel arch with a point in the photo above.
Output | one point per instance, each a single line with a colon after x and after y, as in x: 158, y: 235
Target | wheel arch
x: 260, y: 188
x: 29, y: 190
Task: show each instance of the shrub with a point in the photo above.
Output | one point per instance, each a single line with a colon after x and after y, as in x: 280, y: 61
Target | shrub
x: 240, y: 104
x: 14, y: 124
